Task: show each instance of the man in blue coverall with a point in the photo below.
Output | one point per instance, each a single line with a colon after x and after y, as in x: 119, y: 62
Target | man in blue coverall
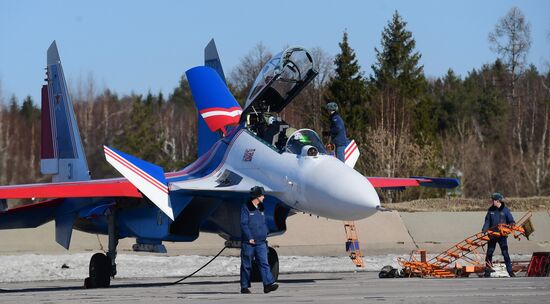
x: 498, y: 213
x: 253, y: 241
x: 337, y: 131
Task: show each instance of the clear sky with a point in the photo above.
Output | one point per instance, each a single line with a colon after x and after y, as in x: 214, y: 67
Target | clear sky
x: 137, y: 46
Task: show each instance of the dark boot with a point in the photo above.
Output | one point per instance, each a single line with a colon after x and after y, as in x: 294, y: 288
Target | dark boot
x: 512, y: 275
x: 245, y: 290
x: 270, y: 288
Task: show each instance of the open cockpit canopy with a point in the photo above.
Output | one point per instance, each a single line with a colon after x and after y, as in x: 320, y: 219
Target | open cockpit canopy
x: 279, y: 81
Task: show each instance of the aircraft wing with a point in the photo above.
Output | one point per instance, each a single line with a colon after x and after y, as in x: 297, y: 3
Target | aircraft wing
x: 93, y: 188
x: 396, y: 183
x: 36, y: 214
x: 29, y: 216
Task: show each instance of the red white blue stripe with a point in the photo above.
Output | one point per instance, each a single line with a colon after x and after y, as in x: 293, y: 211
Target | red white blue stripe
x: 350, y: 149
x: 217, y: 118
x: 351, y: 154
x: 215, y: 103
x: 148, y: 178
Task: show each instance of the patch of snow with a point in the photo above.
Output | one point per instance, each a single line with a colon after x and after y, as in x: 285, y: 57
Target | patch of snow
x: 36, y: 267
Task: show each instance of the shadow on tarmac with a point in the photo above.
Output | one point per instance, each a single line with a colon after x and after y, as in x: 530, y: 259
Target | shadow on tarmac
x: 146, y: 285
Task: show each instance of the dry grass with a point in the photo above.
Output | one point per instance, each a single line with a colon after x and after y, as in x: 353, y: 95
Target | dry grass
x: 469, y: 204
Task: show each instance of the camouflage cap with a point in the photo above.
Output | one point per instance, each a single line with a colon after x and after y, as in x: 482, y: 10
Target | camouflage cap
x: 332, y: 106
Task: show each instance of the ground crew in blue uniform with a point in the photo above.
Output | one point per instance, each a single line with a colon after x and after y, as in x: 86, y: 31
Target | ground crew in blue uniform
x: 337, y: 131
x: 253, y: 241
x: 498, y: 213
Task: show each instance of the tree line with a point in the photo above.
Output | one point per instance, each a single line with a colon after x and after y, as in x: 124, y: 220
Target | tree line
x: 490, y: 128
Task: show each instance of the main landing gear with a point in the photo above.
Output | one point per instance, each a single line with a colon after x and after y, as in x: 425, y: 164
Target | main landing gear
x: 273, y: 260
x: 103, y: 267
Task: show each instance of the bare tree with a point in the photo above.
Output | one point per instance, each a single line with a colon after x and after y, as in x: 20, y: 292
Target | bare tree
x: 307, y: 109
x: 511, y: 40
x: 86, y: 90
x: 244, y: 74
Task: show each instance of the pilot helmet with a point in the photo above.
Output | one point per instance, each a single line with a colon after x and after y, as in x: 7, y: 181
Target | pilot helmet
x: 257, y: 191
x: 332, y: 106
x: 497, y: 197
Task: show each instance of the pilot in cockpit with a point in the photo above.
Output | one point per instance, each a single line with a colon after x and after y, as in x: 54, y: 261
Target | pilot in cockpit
x: 276, y: 132
x: 272, y: 130
x: 257, y: 124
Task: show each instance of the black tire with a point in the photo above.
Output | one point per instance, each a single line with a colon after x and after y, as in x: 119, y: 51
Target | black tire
x: 100, y: 272
x: 273, y: 260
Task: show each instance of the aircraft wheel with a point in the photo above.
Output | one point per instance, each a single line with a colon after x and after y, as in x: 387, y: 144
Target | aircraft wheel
x: 273, y: 260
x: 100, y: 272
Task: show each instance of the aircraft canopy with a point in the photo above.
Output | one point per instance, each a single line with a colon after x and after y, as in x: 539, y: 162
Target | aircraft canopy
x: 279, y: 81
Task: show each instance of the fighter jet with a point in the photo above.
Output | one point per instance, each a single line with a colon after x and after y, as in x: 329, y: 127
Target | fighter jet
x: 238, y: 148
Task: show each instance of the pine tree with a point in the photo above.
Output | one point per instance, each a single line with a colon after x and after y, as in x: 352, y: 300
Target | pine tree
x: 449, y: 93
x: 29, y: 111
x: 398, y: 80
x: 142, y: 136
x: 182, y: 97
x: 347, y: 88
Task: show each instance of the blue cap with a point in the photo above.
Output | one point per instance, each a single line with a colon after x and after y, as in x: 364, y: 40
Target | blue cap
x: 497, y: 197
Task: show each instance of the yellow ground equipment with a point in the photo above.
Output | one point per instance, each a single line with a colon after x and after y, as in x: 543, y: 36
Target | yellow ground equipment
x: 470, y: 251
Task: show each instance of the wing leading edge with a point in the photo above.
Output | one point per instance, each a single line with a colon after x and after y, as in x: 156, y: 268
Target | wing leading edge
x: 415, y: 181
x: 93, y: 188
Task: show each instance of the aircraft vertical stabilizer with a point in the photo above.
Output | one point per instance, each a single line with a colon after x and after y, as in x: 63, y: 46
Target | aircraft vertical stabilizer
x: 212, y: 59
x: 206, y: 137
x: 216, y: 105
x: 62, y: 154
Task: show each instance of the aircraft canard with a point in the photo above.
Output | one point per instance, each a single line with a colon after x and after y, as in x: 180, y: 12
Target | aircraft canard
x: 148, y: 178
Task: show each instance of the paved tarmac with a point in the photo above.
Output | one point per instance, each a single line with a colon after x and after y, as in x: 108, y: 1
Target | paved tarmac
x: 361, y: 287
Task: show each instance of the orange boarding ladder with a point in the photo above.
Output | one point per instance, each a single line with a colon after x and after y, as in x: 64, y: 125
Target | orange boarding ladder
x: 466, y: 250
x: 352, y: 240
x: 352, y: 244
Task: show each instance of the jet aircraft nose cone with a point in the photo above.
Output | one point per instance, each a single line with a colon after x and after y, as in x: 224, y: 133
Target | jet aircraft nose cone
x: 339, y: 191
